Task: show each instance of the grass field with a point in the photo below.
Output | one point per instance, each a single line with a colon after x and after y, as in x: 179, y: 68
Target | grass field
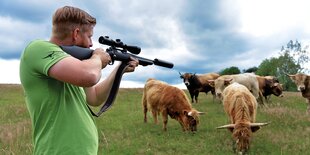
x: 122, y: 130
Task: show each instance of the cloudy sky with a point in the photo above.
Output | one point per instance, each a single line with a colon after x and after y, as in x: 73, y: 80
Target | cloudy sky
x: 198, y: 36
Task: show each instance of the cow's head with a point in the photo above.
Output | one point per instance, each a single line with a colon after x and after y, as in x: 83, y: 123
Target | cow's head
x: 190, y: 120
x: 277, y: 89
x: 187, y: 77
x: 242, y: 133
x: 219, y: 85
x: 273, y: 85
x: 300, y: 80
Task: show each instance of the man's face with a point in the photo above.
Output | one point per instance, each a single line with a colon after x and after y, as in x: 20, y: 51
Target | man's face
x: 84, y: 38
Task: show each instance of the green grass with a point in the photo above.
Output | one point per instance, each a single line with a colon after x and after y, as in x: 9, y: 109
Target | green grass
x: 122, y: 130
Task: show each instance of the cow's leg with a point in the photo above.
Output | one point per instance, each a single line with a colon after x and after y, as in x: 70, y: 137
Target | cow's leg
x: 267, y: 98
x: 308, y: 108
x: 192, y: 96
x: 260, y: 98
x: 196, y: 96
x: 165, y: 119
x: 154, y: 113
x: 214, y: 95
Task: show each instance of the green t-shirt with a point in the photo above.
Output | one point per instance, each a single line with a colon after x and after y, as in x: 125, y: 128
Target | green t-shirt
x: 61, y: 120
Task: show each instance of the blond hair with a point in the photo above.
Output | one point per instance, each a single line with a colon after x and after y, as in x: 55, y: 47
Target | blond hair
x: 67, y: 18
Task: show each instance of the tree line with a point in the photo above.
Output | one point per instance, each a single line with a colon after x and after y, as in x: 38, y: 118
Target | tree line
x: 292, y: 58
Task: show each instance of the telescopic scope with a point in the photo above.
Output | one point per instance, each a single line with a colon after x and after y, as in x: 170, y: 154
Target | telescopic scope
x: 118, y: 43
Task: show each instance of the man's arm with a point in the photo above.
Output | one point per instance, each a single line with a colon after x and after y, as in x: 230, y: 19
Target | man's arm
x: 84, y: 73
x: 99, y: 93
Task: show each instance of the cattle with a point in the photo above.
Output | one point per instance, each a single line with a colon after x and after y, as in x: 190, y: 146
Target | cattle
x: 302, y: 82
x: 240, y: 105
x: 269, y: 85
x: 161, y: 98
x: 198, y: 83
x: 247, y: 79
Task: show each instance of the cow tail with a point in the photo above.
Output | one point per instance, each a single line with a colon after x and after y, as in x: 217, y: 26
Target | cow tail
x: 144, y: 104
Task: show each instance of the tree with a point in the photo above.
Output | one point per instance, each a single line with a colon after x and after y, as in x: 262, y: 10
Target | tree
x: 250, y: 70
x: 291, y: 58
x: 268, y: 67
x: 230, y: 71
x: 299, y: 53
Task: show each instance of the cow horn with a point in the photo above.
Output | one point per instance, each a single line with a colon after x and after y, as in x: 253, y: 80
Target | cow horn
x: 180, y: 73
x: 258, y: 124
x: 201, y: 113
x: 226, y: 126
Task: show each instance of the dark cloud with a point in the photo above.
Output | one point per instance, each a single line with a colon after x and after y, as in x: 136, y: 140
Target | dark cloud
x: 25, y: 10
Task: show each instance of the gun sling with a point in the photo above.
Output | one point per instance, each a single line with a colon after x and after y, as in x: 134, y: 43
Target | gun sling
x: 113, y: 91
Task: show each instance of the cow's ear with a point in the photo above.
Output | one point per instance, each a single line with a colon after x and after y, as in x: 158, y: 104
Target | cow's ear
x: 211, y: 83
x: 181, y: 77
x: 227, y: 82
x: 293, y: 77
x: 255, y: 128
x: 274, y: 85
x: 185, y: 113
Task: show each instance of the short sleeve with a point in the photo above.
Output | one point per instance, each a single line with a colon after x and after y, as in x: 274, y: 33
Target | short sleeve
x: 41, y: 55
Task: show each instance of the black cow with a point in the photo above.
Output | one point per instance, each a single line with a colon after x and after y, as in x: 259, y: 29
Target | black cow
x: 198, y: 83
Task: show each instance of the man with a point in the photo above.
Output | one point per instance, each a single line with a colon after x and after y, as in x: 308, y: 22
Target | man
x: 58, y: 86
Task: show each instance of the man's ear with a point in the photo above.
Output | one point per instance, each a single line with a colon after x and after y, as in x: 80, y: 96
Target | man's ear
x: 75, y: 34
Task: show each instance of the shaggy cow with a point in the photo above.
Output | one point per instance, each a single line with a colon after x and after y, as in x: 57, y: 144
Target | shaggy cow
x: 269, y: 85
x: 162, y: 98
x: 240, y: 105
x: 302, y: 82
x: 198, y: 83
x: 247, y: 79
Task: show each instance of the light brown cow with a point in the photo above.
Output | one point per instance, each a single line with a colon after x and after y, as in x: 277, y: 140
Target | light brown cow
x: 269, y: 85
x: 302, y: 82
x: 247, y: 79
x: 164, y: 99
x: 198, y: 83
x: 240, y: 105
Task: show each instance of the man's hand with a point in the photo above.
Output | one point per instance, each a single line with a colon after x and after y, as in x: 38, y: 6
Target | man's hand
x: 132, y: 64
x: 103, y: 55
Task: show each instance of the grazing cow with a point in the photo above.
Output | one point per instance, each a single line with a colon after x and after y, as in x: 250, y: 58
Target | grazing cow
x: 169, y: 100
x: 269, y: 85
x: 247, y: 79
x: 198, y: 83
x: 240, y: 106
x: 302, y: 82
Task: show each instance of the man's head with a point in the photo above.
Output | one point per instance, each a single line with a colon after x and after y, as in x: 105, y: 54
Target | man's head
x: 74, y: 26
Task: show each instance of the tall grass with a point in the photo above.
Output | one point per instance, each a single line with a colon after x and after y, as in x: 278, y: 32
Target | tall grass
x: 122, y: 130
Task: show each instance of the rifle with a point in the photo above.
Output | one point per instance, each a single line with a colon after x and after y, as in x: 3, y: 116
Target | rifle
x: 118, y: 51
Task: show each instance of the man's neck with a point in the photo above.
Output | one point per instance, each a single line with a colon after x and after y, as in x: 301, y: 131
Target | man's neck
x: 65, y: 42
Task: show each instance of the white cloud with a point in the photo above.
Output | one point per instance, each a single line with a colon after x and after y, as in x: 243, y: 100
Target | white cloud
x: 16, y: 34
x: 264, y: 18
x: 9, y: 70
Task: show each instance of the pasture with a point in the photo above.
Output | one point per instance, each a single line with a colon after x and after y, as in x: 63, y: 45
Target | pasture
x: 122, y: 130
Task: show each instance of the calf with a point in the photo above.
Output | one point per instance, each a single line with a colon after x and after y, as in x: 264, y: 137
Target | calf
x: 198, y: 83
x: 302, y: 82
x: 164, y: 99
x: 240, y: 106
